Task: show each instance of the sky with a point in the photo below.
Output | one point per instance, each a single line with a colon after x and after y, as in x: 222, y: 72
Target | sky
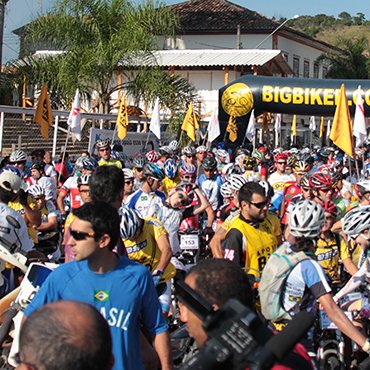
x: 20, y: 12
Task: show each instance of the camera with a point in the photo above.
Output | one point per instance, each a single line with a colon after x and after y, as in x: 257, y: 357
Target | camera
x: 238, y: 338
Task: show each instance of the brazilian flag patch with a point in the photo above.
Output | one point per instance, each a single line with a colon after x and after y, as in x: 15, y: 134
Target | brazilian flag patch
x: 101, y: 295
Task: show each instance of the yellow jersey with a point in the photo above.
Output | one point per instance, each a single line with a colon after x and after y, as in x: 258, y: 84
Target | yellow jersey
x: 110, y: 162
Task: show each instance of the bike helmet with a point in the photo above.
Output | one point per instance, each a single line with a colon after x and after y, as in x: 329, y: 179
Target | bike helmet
x: 78, y: 163
x: 209, y: 164
x: 188, y: 151
x: 356, y: 221
x: 201, y: 148
x: 320, y: 180
x: 232, y: 168
x: 129, y: 174
x: 362, y: 187
x: 187, y: 169
x: 235, y: 181
x: 102, y: 143
x: 330, y: 207
x: 89, y: 164
x: 36, y: 191
x: 152, y: 156
x: 249, y: 163
x: 306, y: 219
x: 139, y: 161
x: 18, y: 156
x: 10, y: 179
x: 129, y: 222
x: 301, y: 167
x: 165, y: 150
x: 38, y: 165
x: 170, y: 168
x: 226, y: 191
x: 323, y: 153
x: 269, y: 190
x: 222, y: 153
x: 174, y: 145
x: 83, y: 180
x: 152, y: 170
x: 259, y: 155
x: 304, y: 182
x: 291, y: 161
x: 281, y: 156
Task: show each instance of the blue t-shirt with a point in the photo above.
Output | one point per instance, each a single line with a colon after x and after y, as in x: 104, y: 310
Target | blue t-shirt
x: 123, y: 296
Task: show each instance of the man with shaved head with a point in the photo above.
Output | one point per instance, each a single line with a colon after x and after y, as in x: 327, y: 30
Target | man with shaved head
x: 65, y: 335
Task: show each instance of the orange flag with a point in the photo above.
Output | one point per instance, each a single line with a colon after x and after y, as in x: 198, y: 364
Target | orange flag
x: 190, y: 123
x: 341, y: 129
x: 122, y: 120
x: 43, y: 113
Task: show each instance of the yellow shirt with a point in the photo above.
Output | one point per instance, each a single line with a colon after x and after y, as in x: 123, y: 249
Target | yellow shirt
x: 110, y: 162
x: 32, y: 232
x: 145, y: 250
x: 169, y: 184
x: 328, y: 255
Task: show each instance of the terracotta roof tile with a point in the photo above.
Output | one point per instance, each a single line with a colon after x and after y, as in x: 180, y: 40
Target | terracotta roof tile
x: 220, y: 15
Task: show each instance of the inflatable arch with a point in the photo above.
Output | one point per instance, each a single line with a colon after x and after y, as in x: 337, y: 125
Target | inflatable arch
x: 311, y: 97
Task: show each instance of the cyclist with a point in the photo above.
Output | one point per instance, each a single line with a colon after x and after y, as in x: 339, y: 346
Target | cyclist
x: 188, y: 155
x: 172, y: 178
x: 129, y: 183
x: 47, y: 183
x: 138, y: 165
x: 105, y: 151
x: 18, y: 159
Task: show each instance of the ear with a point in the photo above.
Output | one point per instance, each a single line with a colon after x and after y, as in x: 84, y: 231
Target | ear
x: 215, y: 307
x: 104, y: 241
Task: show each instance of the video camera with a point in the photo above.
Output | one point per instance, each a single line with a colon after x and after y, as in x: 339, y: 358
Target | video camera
x: 238, y: 338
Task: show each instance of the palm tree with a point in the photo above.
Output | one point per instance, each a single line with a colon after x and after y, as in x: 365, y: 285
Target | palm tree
x: 96, y: 39
x: 351, y: 61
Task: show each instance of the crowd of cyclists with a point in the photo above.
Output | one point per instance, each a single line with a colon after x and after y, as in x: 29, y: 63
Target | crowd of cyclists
x: 246, y: 203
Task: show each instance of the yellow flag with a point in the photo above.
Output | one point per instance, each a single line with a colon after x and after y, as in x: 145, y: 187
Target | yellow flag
x: 322, y: 126
x: 122, y: 120
x: 232, y: 129
x: 43, y: 113
x: 294, y: 125
x: 190, y: 123
x: 341, y: 129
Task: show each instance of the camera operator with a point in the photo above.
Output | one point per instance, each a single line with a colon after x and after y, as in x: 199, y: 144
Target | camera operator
x: 219, y: 280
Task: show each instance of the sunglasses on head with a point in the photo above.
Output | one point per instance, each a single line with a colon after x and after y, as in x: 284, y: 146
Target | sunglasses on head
x: 80, y: 235
x: 259, y: 205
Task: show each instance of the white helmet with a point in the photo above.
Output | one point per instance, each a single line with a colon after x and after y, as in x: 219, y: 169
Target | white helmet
x: 356, y: 221
x: 226, y: 191
x: 129, y: 222
x: 306, y: 219
x: 188, y: 150
x: 235, y: 181
x: 18, y: 156
x: 129, y: 174
x: 174, y: 145
x: 36, y: 191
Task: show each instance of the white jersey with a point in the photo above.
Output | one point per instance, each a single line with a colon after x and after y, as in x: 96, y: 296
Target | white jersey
x: 11, y: 234
x: 49, y: 186
x: 278, y: 181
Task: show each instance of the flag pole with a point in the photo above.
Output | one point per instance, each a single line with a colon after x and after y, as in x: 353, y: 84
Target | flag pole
x: 56, y: 124
x: 114, y: 132
x: 64, y: 150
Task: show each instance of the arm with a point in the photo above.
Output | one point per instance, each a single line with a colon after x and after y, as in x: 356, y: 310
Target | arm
x: 341, y: 320
x: 165, y: 248
x: 33, y: 215
x: 203, y: 203
x: 350, y: 266
x: 210, y: 216
x: 233, y: 247
x: 215, y: 243
x: 60, y: 203
x: 163, y: 349
x: 51, y: 224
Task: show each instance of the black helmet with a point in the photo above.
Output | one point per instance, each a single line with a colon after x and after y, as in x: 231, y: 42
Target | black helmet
x: 38, y: 165
x: 209, y: 163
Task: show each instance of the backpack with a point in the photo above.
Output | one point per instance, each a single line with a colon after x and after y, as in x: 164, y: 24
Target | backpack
x: 277, y: 269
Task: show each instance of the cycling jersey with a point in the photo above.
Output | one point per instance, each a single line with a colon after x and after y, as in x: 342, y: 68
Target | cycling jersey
x: 211, y: 189
x: 49, y: 186
x: 110, y: 162
x: 70, y: 187
x: 225, y: 211
x: 278, y: 180
x: 328, y: 254
x: 145, y: 204
x: 169, y: 184
x: 250, y: 245
x: 144, y: 248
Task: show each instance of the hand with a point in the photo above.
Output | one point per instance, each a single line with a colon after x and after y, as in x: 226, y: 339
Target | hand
x: 157, y: 275
x: 208, y: 231
x: 23, y: 197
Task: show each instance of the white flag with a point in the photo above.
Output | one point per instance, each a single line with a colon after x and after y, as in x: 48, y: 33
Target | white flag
x: 328, y: 129
x: 74, y: 119
x: 278, y: 123
x: 359, y: 122
x: 251, y: 129
x: 312, y: 124
x: 155, y: 122
x: 213, y: 126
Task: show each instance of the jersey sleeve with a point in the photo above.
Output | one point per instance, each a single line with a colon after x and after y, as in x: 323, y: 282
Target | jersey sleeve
x: 344, y: 250
x: 315, y: 278
x: 157, y: 228
x: 233, y: 246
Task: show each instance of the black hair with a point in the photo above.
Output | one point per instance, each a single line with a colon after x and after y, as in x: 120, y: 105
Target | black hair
x: 248, y: 189
x: 218, y: 280
x: 106, y: 184
x: 104, y: 219
x: 50, y: 338
x: 6, y: 196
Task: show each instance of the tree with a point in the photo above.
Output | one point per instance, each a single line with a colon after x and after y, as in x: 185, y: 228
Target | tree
x: 359, y: 19
x: 345, y: 17
x: 97, y: 38
x: 351, y: 60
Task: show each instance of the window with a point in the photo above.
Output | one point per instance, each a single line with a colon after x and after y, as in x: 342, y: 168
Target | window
x: 306, y: 69
x: 285, y: 55
x: 296, y: 66
x: 324, y: 72
x: 316, y: 70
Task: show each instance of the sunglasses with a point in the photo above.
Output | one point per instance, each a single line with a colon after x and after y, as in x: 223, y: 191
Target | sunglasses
x: 326, y: 190
x: 104, y: 150
x: 139, y: 169
x: 191, y: 156
x: 260, y: 205
x: 129, y: 182
x: 189, y: 177
x: 85, y: 191
x: 184, y: 198
x: 281, y: 162
x: 80, y: 235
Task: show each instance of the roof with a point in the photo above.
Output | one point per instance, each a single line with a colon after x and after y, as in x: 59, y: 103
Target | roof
x: 219, y: 58
x: 219, y: 15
